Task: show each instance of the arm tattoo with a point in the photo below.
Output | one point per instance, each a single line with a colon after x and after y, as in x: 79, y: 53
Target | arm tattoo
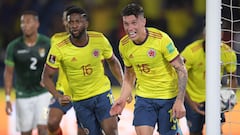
x: 182, y: 77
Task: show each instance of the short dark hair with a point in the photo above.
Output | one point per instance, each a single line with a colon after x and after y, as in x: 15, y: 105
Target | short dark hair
x: 77, y: 10
x: 132, y: 9
x: 30, y: 12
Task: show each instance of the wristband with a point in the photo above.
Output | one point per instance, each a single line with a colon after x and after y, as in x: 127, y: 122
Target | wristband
x: 7, y: 98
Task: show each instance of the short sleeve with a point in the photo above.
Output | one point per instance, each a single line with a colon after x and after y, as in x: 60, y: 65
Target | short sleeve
x: 54, y: 57
x: 168, y: 48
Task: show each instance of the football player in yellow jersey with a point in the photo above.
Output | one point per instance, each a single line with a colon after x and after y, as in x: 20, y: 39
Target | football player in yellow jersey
x: 56, y: 110
x: 151, y: 59
x: 81, y: 56
x: 195, y: 60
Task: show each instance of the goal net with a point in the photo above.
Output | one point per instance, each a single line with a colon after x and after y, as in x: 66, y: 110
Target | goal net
x: 230, y: 19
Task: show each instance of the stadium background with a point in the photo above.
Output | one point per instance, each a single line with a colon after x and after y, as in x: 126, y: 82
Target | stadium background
x: 183, y: 20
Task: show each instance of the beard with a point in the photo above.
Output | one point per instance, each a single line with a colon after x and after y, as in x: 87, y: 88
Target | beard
x: 79, y: 35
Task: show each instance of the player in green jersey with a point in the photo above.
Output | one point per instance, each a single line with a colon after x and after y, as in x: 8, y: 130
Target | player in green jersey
x: 26, y: 56
x: 195, y: 60
x: 151, y: 58
x: 81, y: 55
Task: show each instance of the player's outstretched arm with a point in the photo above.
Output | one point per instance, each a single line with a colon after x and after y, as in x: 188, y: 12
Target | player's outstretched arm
x: 126, y: 90
x: 117, y: 107
x: 117, y: 71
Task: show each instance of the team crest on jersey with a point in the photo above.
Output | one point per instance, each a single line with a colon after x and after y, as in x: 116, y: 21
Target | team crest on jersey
x: 52, y: 59
x: 151, y: 53
x: 95, y: 53
x: 42, y: 52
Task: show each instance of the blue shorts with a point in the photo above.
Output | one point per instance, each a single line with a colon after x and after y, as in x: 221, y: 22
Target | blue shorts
x: 55, y: 104
x: 151, y: 111
x: 91, y: 112
x: 195, y: 120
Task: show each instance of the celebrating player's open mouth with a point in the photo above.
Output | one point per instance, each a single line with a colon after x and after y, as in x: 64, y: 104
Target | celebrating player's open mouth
x: 132, y: 34
x: 77, y: 33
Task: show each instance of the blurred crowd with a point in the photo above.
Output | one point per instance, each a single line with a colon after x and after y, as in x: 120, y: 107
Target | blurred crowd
x: 183, y: 20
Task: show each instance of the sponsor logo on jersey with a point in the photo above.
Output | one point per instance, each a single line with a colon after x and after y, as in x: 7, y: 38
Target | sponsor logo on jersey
x: 42, y: 52
x: 52, y: 59
x: 151, y: 53
x: 22, y: 51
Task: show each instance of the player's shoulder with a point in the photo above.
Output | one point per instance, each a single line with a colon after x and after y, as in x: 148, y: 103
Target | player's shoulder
x: 98, y: 38
x: 156, y: 33
x: 44, y: 37
x: 227, y: 50
x: 195, y: 45
x: 124, y: 40
x: 95, y: 34
x: 225, y: 47
x: 15, y: 42
x: 60, y: 39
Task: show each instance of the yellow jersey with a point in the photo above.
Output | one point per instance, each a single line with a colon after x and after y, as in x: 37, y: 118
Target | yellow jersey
x: 83, y: 66
x: 61, y: 83
x: 156, y: 78
x: 195, y: 61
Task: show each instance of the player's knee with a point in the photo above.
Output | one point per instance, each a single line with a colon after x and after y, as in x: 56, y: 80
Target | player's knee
x: 81, y: 131
x: 53, y: 124
x: 42, y: 129
x: 111, y: 129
